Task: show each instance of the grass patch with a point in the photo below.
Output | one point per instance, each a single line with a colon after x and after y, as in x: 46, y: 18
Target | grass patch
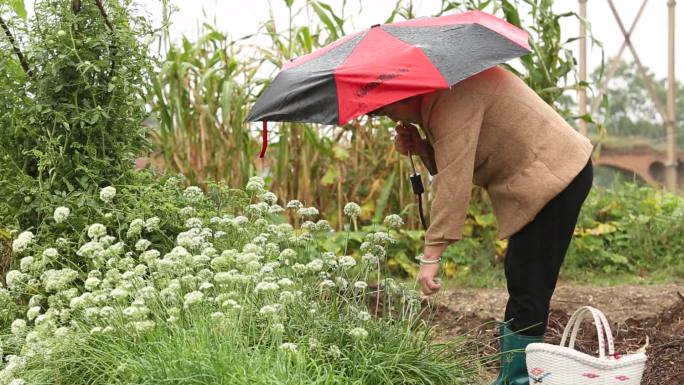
x: 206, y: 351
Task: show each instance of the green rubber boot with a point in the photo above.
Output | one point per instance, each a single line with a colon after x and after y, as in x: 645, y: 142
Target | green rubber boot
x: 512, y: 347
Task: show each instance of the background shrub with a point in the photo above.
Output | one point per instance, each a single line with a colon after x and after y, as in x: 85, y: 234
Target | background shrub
x: 72, y: 120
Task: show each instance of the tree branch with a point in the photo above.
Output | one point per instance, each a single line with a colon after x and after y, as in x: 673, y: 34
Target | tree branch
x: 17, y: 51
x: 100, y: 6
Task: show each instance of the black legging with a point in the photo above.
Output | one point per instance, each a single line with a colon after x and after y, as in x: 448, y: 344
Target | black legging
x: 536, y: 252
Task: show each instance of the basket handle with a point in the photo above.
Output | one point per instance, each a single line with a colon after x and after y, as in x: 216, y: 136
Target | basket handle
x: 607, y: 331
x: 602, y: 329
x: 574, y: 324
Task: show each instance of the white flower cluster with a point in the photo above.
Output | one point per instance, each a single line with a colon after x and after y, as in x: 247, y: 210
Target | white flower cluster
x: 269, y: 198
x: 107, y: 194
x: 142, y: 244
x: 23, y: 241
x: 193, y: 194
x: 393, y: 221
x: 271, y: 310
x: 255, y: 184
x: 152, y: 224
x: 288, y: 346
x: 56, y: 280
x: 96, y: 231
x: 193, y: 239
x: 61, y: 214
x: 352, y: 210
x: 193, y: 223
x: 188, y: 211
x: 193, y: 298
x: 359, y: 333
x: 315, y: 265
x: 49, y: 255
x: 231, y: 270
x: 346, y: 261
x: 294, y: 205
x: 266, y: 287
x: 307, y: 212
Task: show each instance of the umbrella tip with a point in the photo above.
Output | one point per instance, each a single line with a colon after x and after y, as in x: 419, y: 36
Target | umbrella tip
x: 375, y: 25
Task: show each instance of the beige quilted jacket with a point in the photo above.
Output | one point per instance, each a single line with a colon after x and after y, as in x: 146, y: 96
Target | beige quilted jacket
x: 493, y: 130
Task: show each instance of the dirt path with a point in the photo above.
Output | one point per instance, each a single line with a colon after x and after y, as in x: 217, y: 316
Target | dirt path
x: 635, y: 312
x: 617, y: 302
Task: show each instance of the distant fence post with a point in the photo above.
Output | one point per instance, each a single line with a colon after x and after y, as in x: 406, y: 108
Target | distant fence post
x: 583, y: 67
x: 671, y: 123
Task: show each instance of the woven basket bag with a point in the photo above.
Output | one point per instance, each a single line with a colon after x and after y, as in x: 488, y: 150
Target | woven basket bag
x: 549, y: 364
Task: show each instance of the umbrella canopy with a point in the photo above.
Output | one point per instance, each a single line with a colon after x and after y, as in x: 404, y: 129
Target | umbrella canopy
x: 386, y: 63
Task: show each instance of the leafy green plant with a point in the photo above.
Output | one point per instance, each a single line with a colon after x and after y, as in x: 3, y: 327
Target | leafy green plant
x: 632, y: 228
x: 72, y: 108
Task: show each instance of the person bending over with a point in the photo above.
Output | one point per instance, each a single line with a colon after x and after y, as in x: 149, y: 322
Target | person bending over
x: 494, y: 131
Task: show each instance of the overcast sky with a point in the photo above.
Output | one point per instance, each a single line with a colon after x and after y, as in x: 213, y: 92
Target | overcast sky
x: 241, y: 17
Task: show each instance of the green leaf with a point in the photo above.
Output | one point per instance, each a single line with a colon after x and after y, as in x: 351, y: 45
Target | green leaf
x: 485, y: 220
x: 587, y: 118
x: 384, y: 196
x: 643, y: 219
x: 339, y: 21
x: 340, y: 153
x: 405, y: 263
x: 320, y: 11
x: 94, y: 117
x: 511, y: 13
x: 226, y: 93
x: 601, y: 229
x: 70, y: 187
x: 5, y: 234
x: 330, y: 176
x: 18, y: 7
x: 481, y: 6
x: 304, y: 37
x: 618, y: 259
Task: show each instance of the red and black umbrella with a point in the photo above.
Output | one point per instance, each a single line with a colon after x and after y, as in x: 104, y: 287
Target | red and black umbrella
x: 386, y: 63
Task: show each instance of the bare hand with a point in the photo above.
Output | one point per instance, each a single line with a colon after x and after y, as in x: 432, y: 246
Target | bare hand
x: 427, y: 278
x: 408, y: 139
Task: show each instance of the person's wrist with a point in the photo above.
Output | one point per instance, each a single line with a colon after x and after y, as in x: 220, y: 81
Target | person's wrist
x: 434, y: 252
x: 429, y: 259
x: 430, y: 262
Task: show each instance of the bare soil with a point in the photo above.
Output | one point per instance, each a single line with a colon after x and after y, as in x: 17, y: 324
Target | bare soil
x: 653, y: 313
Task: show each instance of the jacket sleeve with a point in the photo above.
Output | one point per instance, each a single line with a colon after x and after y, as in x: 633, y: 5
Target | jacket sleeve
x: 454, y: 122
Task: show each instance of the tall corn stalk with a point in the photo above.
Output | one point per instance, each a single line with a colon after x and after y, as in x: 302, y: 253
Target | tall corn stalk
x: 200, y: 94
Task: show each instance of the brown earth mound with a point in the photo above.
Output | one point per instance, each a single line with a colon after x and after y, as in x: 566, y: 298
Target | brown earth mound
x: 663, y: 330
